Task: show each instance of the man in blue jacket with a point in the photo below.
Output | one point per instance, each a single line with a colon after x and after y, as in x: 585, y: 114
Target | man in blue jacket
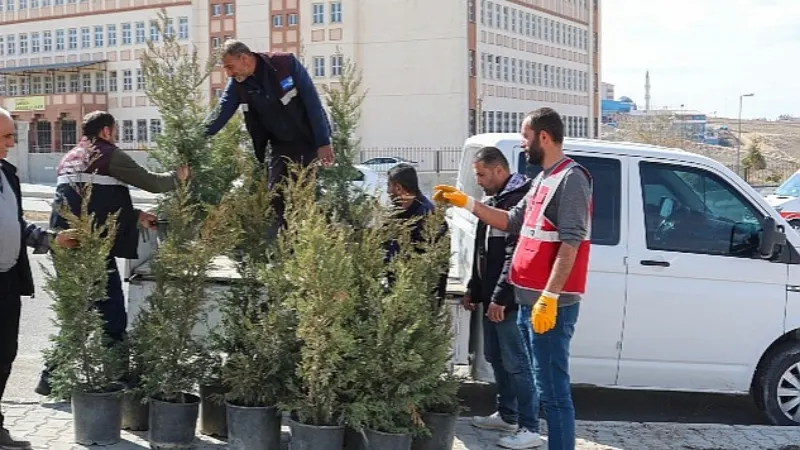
x: 281, y: 108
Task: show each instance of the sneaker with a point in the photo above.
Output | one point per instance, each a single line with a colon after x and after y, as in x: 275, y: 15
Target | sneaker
x: 494, y: 422
x: 522, y: 439
x: 9, y: 443
x: 43, y: 388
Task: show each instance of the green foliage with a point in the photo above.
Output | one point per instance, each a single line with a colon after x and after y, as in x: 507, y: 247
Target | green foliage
x: 85, y: 359
x: 166, y: 350
x: 174, y: 81
x: 344, y: 102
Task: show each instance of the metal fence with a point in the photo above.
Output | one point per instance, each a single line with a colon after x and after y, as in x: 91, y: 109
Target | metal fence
x: 428, y: 159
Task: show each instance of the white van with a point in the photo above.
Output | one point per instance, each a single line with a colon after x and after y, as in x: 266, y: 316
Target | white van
x: 693, y: 284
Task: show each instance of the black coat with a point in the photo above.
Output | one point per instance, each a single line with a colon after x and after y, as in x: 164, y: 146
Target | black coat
x: 32, y: 236
x: 492, y: 256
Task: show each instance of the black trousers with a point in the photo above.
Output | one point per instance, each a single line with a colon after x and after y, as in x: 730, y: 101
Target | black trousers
x: 279, y: 168
x: 10, y: 308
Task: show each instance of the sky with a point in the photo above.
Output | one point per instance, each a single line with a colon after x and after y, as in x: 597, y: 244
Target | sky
x: 704, y: 54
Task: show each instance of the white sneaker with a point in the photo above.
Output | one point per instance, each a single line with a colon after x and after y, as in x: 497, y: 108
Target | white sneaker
x: 494, y: 422
x: 520, y: 440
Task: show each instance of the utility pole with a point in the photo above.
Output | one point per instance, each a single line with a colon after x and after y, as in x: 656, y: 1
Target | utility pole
x: 739, y: 140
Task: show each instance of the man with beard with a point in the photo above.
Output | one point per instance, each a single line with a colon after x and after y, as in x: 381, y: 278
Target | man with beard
x: 550, y: 265
x: 506, y: 333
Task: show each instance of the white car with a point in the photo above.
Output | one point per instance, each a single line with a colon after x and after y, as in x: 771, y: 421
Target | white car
x: 384, y: 163
x: 786, y: 200
x: 694, y: 285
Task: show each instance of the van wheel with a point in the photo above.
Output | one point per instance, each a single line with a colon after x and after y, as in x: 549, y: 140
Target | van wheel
x: 777, y: 392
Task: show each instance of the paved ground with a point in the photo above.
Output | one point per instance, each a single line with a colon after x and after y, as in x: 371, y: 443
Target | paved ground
x: 49, y: 427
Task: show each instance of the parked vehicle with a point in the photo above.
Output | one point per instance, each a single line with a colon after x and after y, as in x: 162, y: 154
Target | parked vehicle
x: 694, y: 284
x: 786, y: 200
x: 384, y: 163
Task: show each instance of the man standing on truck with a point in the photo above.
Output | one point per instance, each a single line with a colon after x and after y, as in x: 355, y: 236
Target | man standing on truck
x: 281, y: 108
x: 98, y: 160
x: 551, y: 261
x: 506, y: 333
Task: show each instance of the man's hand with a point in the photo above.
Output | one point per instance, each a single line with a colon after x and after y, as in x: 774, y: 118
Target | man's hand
x: 496, y: 313
x: 67, y: 239
x: 544, y: 313
x: 147, y: 220
x: 451, y: 195
x: 466, y: 302
x: 325, y: 155
x: 184, y: 172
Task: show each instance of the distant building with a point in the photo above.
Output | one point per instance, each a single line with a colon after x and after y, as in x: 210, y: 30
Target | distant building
x: 612, y: 108
x: 606, y: 91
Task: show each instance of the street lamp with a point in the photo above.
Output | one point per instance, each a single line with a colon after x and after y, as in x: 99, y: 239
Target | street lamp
x: 739, y: 140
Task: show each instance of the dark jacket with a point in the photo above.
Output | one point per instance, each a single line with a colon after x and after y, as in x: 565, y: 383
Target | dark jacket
x: 105, y: 198
x: 283, y: 108
x: 420, y: 208
x: 32, y: 236
x: 492, y: 257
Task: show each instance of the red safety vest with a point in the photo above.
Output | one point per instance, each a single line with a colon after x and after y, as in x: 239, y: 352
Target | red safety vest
x: 538, y: 242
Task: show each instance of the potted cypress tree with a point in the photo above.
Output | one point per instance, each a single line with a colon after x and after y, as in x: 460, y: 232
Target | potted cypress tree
x: 88, y: 365
x: 441, y: 407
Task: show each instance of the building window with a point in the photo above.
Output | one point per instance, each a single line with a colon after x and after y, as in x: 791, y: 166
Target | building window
x: 61, y: 84
x: 318, y: 13
x: 86, y: 37
x: 155, y: 128
x: 10, y: 5
x: 472, y: 69
x: 471, y: 11
x: 170, y: 31
x: 336, y: 12
x: 23, y: 4
x: 2, y: 50
x: 139, y: 80
x: 86, y: 82
x: 141, y: 130
x: 127, y: 80
x: 505, y: 68
x: 127, y: 131
x: 216, y: 42
x: 126, y: 34
x: 216, y: 10
x: 48, y: 85
x: 100, y: 81
x: 319, y: 66
x: 154, y: 32
x: 183, y: 28
x: 23, y: 43
x: 337, y: 61
x: 218, y: 93
x: 36, y: 43
x: 112, y: 81
x: 59, y: 40
x: 140, y: 35
x: 23, y: 86
x: 505, y: 18
x: 277, y: 20
x: 514, y: 20
x: 473, y: 122
x: 292, y: 19
x: 498, y: 11
x: 228, y: 9
x: 12, y: 45
x: 498, y: 68
x: 111, y: 32
x: 36, y: 85
x: 74, y: 82
x: 98, y: 36
x: 12, y: 87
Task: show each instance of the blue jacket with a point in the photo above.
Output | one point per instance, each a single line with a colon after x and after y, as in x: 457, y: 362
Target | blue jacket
x: 283, y: 108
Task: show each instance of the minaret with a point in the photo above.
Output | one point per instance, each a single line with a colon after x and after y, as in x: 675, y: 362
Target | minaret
x: 647, y: 91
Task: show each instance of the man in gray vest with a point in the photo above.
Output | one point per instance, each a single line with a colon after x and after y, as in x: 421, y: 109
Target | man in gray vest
x: 16, y: 278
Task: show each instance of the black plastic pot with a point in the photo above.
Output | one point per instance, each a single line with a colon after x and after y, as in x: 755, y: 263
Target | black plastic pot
x: 443, y: 432
x: 378, y: 440
x: 97, y: 417
x: 213, y: 418
x: 352, y: 439
x: 172, y: 425
x: 251, y: 428
x: 311, y: 437
x: 135, y: 413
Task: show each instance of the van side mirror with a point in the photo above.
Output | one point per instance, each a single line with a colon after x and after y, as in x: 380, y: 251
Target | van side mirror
x: 773, y: 238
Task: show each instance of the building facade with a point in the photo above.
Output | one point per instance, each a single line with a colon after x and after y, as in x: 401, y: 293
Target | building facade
x: 434, y: 72
x: 606, y: 91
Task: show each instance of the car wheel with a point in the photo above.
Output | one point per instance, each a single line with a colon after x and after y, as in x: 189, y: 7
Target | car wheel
x: 777, y: 391
x: 795, y: 224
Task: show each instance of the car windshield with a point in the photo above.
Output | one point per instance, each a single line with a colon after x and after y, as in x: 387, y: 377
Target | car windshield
x: 790, y: 187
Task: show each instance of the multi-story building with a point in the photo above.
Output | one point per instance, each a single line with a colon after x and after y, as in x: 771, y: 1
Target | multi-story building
x: 434, y: 72
x: 606, y: 91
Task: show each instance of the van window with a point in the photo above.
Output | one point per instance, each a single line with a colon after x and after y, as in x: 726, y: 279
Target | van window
x: 606, y: 195
x: 695, y: 211
x: 466, y: 175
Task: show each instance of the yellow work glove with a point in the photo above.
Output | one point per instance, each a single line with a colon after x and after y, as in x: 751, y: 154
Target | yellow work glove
x: 544, y: 313
x: 451, y: 195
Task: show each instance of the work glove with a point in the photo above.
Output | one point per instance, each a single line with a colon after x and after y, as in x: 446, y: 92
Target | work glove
x: 448, y: 194
x: 544, y: 313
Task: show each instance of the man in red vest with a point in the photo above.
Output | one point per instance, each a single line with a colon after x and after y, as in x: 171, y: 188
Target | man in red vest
x: 551, y: 261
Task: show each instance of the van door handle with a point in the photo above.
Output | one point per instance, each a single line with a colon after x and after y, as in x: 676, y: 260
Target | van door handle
x: 653, y: 263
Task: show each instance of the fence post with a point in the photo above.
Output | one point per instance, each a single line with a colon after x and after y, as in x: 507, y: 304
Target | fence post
x: 438, y: 161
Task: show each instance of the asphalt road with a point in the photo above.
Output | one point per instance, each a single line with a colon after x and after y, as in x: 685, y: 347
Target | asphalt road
x: 591, y: 404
